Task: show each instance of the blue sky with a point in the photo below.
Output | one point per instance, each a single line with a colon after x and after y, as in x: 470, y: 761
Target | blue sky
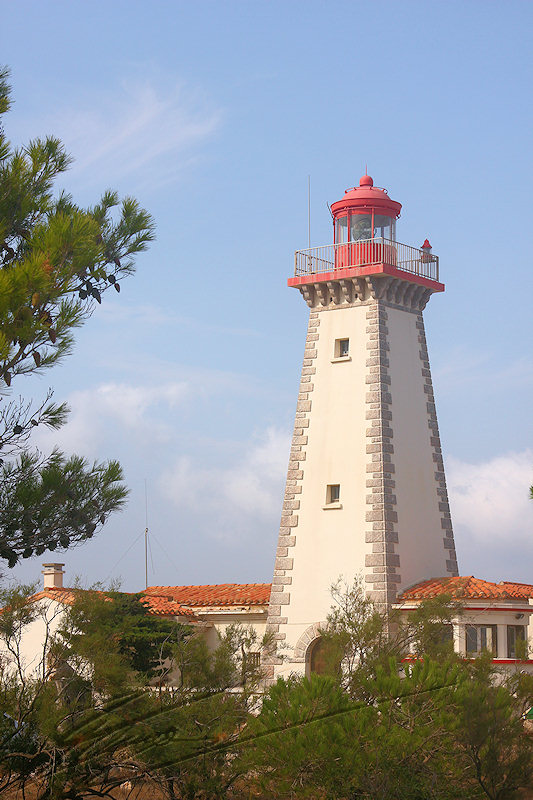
x: 213, y: 114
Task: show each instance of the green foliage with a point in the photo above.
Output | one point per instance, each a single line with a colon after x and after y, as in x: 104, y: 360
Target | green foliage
x: 428, y: 628
x: 356, y: 635
x: 115, y: 633
x: 56, y: 261
x: 418, y: 727
x: 299, y: 743
x: 312, y: 740
x: 46, y: 503
x: 489, y: 730
x: 360, y: 639
x: 120, y: 694
x: 20, y: 743
x: 429, y: 731
x: 404, y: 718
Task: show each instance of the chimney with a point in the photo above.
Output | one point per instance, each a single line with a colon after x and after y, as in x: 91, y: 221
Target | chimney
x: 53, y: 576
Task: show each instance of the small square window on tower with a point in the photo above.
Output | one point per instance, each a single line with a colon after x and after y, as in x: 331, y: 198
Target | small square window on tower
x: 342, y: 348
x: 333, y: 494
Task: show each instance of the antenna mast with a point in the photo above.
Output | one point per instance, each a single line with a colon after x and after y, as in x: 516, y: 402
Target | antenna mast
x: 309, y: 211
x: 146, y: 536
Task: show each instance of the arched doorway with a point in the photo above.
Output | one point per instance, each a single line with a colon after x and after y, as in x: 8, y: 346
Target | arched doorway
x: 317, y: 657
x: 322, y: 658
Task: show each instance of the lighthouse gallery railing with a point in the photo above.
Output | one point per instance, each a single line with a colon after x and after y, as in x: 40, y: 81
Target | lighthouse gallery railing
x: 365, y: 253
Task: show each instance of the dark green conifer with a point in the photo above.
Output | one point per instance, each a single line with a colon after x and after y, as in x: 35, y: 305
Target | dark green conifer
x: 56, y: 261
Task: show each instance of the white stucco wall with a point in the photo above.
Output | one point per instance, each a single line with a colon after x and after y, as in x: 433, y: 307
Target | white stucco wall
x: 420, y: 533
x: 33, y: 638
x: 331, y: 542
x: 217, y: 622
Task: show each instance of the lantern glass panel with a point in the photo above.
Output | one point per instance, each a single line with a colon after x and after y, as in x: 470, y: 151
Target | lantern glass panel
x: 382, y: 226
x: 341, y: 230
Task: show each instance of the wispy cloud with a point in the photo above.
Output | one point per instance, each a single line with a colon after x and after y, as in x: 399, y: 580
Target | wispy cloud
x: 230, y: 500
x: 491, y: 509
x: 151, y: 315
x: 140, y: 414
x: 483, y: 371
x: 95, y: 413
x: 135, y: 130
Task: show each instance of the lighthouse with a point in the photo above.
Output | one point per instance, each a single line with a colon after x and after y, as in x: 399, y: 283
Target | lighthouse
x: 365, y: 495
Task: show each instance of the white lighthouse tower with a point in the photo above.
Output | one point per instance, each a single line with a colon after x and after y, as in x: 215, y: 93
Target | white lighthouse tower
x: 366, y: 492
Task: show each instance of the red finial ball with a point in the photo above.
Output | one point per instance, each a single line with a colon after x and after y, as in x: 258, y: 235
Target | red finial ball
x: 366, y: 180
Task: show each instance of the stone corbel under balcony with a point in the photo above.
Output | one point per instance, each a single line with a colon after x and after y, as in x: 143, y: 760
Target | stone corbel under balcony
x: 354, y: 291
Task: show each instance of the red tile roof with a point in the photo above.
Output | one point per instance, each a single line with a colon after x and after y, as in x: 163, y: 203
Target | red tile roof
x: 467, y: 587
x: 175, y: 601
x: 218, y: 594
x: 518, y: 589
x: 61, y: 595
x: 161, y: 606
x: 165, y: 607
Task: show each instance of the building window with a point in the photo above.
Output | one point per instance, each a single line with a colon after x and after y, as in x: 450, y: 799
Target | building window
x: 333, y: 494
x: 250, y: 663
x: 253, y: 659
x: 446, y: 635
x: 342, y: 348
x: 333, y: 497
x: 516, y: 641
x: 481, y: 637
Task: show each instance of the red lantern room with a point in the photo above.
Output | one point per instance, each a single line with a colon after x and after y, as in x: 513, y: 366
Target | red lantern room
x: 365, y: 212
x: 365, y: 222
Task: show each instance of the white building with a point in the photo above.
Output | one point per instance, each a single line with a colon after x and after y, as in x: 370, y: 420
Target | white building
x: 494, y: 617
x: 212, y: 608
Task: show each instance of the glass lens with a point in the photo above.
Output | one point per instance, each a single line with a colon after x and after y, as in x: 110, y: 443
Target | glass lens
x: 360, y: 227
